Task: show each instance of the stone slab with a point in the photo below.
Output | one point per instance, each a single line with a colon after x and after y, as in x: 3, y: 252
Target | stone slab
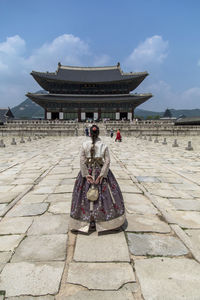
x: 186, y: 219
x: 59, y: 197
x: 149, y: 244
x: 60, y: 207
x: 10, y: 242
x: 28, y: 209
x: 15, y: 225
x: 48, y: 297
x: 181, y: 204
x: 139, y: 204
x: 168, y: 278
x: 49, y: 224
x: 101, y: 248
x: 31, y: 278
x: 32, y: 198
x: 194, y: 235
x: 148, y: 179
x: 100, y: 276
x: 169, y: 193
x: 43, y: 190
x: 5, y: 256
x: 146, y: 223
x: 99, y: 295
x: 51, y: 247
x: 8, y: 197
x: 130, y: 189
x: 1, y: 268
x: 64, y: 189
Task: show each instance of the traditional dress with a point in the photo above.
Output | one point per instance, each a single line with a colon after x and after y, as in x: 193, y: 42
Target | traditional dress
x: 118, y: 136
x: 108, y: 210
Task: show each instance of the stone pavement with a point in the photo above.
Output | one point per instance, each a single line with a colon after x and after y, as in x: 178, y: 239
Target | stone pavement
x: 155, y: 256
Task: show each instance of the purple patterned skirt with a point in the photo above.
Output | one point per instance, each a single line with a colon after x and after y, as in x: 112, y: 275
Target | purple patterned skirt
x: 108, y: 211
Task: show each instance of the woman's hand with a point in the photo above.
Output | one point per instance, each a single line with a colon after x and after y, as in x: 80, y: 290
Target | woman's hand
x: 89, y: 179
x: 99, y: 180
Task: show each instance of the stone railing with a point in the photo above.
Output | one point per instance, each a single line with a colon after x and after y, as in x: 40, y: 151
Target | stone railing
x: 63, y: 127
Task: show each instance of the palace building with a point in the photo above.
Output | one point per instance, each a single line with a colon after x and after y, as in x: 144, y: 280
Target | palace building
x: 89, y: 93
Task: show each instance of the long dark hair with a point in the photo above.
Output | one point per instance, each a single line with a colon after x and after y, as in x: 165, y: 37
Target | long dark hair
x: 94, y: 133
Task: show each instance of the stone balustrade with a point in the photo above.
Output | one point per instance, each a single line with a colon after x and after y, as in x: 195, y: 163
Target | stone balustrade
x: 71, y: 128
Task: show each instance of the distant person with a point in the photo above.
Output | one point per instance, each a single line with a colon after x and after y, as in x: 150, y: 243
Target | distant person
x: 111, y: 132
x: 86, y: 131
x: 118, y: 136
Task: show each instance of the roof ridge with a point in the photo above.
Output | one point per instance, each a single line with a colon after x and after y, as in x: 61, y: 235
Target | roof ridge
x: 88, y: 68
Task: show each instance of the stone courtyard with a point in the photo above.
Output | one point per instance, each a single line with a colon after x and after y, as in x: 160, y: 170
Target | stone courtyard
x: 155, y: 257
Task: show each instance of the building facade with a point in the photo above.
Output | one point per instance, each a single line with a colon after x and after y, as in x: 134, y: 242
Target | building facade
x: 89, y: 93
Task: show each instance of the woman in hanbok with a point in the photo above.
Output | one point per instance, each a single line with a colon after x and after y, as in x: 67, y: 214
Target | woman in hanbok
x: 118, y: 136
x: 97, y: 200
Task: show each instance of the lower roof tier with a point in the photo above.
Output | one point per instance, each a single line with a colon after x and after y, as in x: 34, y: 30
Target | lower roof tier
x: 65, y: 100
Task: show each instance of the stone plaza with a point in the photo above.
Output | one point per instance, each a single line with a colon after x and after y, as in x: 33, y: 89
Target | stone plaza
x: 155, y: 257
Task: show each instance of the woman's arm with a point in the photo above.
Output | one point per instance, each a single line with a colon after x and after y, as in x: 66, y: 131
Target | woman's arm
x: 106, y: 165
x: 83, y: 166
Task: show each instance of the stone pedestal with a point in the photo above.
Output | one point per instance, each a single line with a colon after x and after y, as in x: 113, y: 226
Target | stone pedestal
x: 189, y: 147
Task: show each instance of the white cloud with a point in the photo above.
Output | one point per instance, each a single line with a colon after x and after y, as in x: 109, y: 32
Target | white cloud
x: 166, y: 97
x: 150, y: 52
x: 15, y: 66
x: 67, y: 48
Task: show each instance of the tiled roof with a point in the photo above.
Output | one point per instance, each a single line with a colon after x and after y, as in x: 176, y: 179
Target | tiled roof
x: 5, y: 113
x: 89, y: 74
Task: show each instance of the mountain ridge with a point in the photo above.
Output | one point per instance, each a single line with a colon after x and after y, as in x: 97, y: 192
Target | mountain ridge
x: 28, y: 109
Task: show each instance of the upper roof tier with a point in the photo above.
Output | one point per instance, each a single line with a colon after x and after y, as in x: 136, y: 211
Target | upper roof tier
x: 68, y: 79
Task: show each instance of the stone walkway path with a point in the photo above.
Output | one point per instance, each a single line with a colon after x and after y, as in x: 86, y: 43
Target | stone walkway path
x: 157, y: 254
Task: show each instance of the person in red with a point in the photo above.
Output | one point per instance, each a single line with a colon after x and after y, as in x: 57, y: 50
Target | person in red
x: 118, y: 136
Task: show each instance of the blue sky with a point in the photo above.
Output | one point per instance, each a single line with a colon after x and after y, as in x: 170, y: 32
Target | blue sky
x: 162, y: 37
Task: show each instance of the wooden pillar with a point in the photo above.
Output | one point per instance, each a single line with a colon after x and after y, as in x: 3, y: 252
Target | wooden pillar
x: 99, y: 113
x: 132, y: 113
x: 79, y: 115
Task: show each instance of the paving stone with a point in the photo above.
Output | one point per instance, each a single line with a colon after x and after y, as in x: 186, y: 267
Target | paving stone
x: 101, y: 276
x: 31, y: 198
x: 181, y: 204
x: 194, y: 235
x: 5, y: 256
x: 64, y: 189
x: 60, y: 207
x: 146, y: 223
x: 149, y: 244
x: 31, y: 278
x: 186, y: 219
x: 49, y: 297
x: 51, y: 247
x: 130, y: 189
x: 101, y: 248
x: 2, y: 206
x: 10, y: 242
x: 99, y: 295
x: 5, y: 188
x: 59, y: 197
x: 28, y: 209
x: 148, y: 179
x: 43, y: 190
x: 49, y: 224
x: 169, y: 193
x: 168, y: 278
x: 15, y: 225
x: 8, y: 197
x: 137, y: 203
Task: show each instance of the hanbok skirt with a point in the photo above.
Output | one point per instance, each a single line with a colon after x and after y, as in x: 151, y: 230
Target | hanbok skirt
x: 108, y: 211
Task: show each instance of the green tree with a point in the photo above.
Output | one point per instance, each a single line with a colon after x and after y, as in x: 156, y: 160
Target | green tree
x: 167, y: 114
